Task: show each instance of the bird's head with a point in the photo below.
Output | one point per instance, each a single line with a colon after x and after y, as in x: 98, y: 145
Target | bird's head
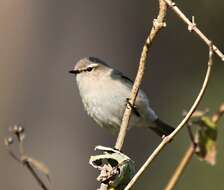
x: 89, y: 66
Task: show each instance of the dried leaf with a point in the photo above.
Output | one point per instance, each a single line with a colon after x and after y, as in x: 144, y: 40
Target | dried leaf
x: 206, y: 137
x: 116, y: 169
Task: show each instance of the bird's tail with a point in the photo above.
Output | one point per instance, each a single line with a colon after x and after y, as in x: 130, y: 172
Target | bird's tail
x: 162, y: 128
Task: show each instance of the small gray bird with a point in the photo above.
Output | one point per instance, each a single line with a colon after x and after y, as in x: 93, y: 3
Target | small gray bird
x: 104, y: 92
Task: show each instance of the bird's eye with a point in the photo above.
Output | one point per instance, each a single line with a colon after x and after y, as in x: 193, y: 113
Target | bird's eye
x: 89, y: 69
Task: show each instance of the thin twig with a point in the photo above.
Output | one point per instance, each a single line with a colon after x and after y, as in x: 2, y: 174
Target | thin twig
x: 192, y: 27
x: 189, y: 154
x: 168, y: 138
x: 180, y: 168
x: 191, y: 135
x: 22, y: 158
x: 217, y: 115
x: 158, y: 24
x: 35, y: 175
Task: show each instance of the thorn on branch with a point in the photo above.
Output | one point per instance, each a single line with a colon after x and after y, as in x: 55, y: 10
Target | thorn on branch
x: 192, y: 26
x: 171, y: 3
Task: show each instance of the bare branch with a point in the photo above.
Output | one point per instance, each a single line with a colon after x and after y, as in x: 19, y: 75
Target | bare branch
x: 158, y: 24
x: 193, y: 27
x: 180, y: 168
x: 189, y: 153
x: 168, y: 138
x: 217, y: 115
x: 23, y: 159
x: 34, y: 174
x: 191, y: 135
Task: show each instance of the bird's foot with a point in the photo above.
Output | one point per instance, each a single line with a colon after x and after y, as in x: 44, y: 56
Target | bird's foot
x: 163, y: 137
x: 169, y: 140
x: 133, y: 107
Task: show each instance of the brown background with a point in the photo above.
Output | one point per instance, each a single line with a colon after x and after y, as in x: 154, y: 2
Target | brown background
x: 40, y: 40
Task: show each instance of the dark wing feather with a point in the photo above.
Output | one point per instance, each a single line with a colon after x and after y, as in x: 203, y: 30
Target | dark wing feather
x: 117, y: 75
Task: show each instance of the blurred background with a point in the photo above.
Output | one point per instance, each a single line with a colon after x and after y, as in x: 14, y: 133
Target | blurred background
x: 41, y: 40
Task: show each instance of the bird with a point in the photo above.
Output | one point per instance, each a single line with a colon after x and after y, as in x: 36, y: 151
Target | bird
x: 105, y: 90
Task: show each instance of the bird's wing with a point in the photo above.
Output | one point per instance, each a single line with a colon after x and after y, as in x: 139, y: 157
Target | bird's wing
x: 117, y: 75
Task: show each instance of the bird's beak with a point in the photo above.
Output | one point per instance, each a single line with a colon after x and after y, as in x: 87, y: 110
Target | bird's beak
x: 74, y: 72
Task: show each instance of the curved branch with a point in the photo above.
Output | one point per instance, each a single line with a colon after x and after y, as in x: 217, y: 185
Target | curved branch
x: 189, y: 154
x: 168, y: 138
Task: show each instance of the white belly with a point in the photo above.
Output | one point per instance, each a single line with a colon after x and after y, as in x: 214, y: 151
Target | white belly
x: 106, y: 103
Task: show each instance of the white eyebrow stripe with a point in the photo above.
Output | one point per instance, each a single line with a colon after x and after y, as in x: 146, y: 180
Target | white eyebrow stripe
x: 93, y: 65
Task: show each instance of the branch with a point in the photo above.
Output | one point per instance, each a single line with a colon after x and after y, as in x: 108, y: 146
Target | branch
x: 180, y: 168
x: 217, y: 116
x: 158, y: 24
x: 31, y: 164
x: 189, y: 154
x: 34, y: 174
x: 168, y: 138
x: 192, y: 27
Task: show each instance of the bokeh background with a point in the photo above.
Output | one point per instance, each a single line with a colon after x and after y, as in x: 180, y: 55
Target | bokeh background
x: 41, y: 40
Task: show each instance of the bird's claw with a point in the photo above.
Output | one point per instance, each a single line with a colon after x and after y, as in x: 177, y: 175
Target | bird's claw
x: 133, y: 107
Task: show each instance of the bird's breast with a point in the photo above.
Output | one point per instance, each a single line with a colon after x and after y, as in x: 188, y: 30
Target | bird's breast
x: 103, y: 102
